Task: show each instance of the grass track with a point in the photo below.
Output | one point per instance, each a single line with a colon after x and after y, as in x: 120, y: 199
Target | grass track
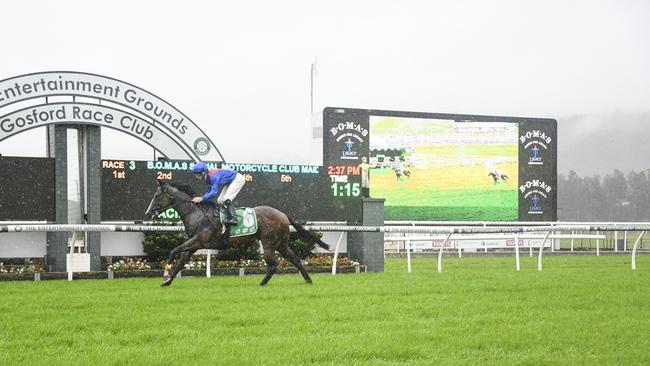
x: 451, y: 182
x: 579, y: 310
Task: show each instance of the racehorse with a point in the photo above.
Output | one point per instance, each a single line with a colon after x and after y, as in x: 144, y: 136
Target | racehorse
x: 400, y: 172
x: 205, y: 230
x: 496, y: 177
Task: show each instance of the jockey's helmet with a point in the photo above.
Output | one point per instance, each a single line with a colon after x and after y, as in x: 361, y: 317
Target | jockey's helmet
x: 199, y: 167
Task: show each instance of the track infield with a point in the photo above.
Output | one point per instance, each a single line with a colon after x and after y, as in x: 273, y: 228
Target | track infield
x: 579, y: 310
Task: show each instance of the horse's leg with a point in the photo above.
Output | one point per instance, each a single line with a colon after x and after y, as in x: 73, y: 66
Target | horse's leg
x: 181, y: 248
x: 185, y: 255
x: 287, y: 253
x: 271, y: 265
x: 183, y: 259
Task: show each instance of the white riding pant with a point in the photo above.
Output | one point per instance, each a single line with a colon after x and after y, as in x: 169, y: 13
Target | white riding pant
x: 229, y: 191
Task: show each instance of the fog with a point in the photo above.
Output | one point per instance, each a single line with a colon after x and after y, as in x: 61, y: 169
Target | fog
x: 241, y: 70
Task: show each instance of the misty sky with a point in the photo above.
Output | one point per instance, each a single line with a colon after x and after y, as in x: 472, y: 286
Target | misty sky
x: 241, y: 69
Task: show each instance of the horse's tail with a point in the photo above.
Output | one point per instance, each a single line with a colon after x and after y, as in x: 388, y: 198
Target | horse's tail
x: 306, y: 234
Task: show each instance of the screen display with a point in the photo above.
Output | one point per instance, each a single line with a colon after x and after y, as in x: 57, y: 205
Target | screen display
x: 304, y: 192
x: 27, y: 189
x: 441, y: 169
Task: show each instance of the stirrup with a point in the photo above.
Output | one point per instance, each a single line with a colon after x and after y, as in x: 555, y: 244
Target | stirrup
x: 230, y: 221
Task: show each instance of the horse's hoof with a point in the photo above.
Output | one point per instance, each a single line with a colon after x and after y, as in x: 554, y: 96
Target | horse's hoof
x: 166, y: 283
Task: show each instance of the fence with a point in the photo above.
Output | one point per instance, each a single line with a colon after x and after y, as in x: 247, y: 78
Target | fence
x: 612, y: 239
x: 506, y: 230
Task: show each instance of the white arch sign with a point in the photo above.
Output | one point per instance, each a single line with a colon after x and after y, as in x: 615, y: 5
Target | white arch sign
x: 176, y: 125
x: 93, y: 114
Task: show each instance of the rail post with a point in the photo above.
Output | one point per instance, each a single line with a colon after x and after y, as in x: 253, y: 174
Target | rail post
x: 442, y: 247
x: 517, y: 252
x: 336, y: 252
x: 541, y: 249
x: 636, y: 244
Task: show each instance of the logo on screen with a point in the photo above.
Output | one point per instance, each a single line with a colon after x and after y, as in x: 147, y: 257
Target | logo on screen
x: 349, y: 136
x: 535, y: 192
x: 535, y: 143
x: 349, y: 143
x: 535, y: 206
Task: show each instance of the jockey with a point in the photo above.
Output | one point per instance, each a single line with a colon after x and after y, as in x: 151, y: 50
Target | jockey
x: 399, y: 167
x: 228, y: 181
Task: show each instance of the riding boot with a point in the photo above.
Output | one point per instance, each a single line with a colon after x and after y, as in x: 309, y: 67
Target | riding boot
x: 231, y: 215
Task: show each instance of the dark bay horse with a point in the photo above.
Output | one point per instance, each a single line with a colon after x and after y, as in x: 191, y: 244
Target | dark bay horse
x: 496, y: 177
x: 401, y: 172
x: 204, y: 231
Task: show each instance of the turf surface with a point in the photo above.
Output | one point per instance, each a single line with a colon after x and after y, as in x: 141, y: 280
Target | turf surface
x: 451, y: 183
x: 579, y: 310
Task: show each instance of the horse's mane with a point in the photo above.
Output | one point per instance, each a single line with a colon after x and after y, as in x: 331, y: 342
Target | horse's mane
x: 185, y: 188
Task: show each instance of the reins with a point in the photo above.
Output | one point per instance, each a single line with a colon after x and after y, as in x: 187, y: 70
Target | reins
x: 159, y: 210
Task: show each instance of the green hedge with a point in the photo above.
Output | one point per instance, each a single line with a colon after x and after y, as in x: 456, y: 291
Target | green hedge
x: 158, y: 245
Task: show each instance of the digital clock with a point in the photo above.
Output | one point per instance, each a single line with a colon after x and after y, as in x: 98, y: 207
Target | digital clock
x: 346, y: 189
x: 343, y: 170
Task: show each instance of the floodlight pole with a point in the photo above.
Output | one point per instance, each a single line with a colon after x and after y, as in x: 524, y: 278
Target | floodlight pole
x: 311, y: 86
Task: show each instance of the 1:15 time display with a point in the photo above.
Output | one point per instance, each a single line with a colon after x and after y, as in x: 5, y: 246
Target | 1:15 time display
x: 346, y: 189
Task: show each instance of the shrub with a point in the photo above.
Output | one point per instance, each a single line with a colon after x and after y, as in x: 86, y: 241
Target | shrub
x: 30, y: 266
x: 158, y: 244
x: 245, y: 263
x: 319, y: 260
x: 239, y: 252
x: 129, y: 264
x: 196, y: 262
x: 326, y: 260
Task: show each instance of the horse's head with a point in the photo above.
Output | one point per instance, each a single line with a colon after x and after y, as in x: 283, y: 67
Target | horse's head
x: 161, y: 200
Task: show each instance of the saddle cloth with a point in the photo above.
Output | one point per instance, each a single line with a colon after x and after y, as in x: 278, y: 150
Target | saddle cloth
x: 247, y: 222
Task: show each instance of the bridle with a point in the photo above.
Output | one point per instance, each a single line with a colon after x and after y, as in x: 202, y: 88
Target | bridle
x: 157, y: 211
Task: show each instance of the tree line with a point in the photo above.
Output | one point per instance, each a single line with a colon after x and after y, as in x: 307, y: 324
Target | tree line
x: 614, y: 197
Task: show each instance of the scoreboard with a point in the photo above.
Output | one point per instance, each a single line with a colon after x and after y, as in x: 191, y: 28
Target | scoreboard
x: 304, y: 192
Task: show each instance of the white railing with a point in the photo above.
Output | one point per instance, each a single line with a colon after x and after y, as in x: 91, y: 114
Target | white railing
x: 450, y: 232
x: 460, y: 243
x: 612, y: 227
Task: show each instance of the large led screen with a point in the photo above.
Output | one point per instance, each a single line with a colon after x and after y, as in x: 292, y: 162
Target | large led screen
x: 441, y: 169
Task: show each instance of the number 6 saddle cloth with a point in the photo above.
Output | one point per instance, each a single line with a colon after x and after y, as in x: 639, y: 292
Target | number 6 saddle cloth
x: 247, y: 222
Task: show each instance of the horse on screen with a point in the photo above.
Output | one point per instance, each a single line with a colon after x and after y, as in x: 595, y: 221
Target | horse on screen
x: 498, y: 177
x: 205, y: 231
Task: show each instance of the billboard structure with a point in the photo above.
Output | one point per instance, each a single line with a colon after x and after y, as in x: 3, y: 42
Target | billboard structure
x: 444, y: 167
